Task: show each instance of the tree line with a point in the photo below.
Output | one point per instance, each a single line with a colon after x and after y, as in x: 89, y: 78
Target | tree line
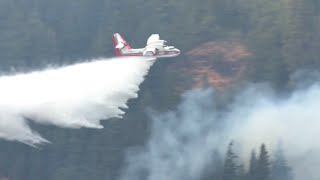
x: 261, y: 167
x: 283, y: 35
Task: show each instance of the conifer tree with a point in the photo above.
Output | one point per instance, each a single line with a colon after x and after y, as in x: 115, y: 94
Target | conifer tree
x: 230, y: 167
x: 263, y: 166
x: 241, y: 173
x: 280, y: 169
x: 252, y: 173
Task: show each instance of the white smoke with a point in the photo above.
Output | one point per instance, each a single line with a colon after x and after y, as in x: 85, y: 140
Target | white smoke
x: 183, y: 142
x: 73, y: 96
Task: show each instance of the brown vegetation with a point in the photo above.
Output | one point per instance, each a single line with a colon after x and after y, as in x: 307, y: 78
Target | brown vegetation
x: 216, y: 64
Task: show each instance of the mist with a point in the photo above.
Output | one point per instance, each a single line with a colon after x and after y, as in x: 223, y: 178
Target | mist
x: 73, y: 96
x: 185, y: 143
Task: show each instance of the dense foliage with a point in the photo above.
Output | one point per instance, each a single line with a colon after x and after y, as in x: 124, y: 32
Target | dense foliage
x: 282, y: 35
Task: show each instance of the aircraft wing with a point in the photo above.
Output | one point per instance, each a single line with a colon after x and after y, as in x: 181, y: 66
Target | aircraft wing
x: 153, y: 38
x: 154, y: 41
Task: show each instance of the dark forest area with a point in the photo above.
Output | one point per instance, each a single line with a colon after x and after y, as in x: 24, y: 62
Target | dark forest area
x: 273, y: 38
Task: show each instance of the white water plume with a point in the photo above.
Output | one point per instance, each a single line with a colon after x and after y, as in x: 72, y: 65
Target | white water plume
x: 73, y: 96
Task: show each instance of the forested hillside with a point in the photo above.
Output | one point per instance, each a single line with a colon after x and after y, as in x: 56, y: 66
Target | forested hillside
x: 276, y: 38
x: 35, y: 33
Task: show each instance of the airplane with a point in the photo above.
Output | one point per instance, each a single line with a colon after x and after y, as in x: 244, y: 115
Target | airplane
x: 154, y: 48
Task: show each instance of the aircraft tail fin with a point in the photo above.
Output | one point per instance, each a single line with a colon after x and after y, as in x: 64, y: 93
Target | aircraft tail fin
x: 119, y: 44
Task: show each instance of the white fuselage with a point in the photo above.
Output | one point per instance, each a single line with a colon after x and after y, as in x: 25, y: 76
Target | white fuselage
x: 158, y: 52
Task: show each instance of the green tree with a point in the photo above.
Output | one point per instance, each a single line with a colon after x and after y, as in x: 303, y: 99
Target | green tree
x: 263, y: 166
x: 280, y: 169
x: 230, y: 171
x: 253, y: 166
x: 298, y: 50
x: 241, y: 172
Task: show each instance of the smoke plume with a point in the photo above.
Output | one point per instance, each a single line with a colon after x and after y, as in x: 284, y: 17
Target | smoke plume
x: 73, y: 96
x: 183, y: 143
